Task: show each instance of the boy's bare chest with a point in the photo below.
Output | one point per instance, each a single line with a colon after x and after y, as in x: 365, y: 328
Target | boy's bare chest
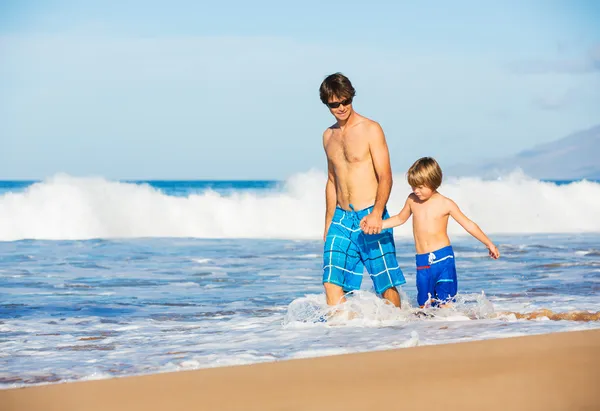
x: 428, y: 213
x: 348, y: 148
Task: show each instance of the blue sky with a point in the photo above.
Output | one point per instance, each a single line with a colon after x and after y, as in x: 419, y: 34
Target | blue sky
x: 229, y: 90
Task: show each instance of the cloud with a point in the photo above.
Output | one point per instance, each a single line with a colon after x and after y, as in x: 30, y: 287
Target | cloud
x: 594, y: 56
x: 588, y: 63
x: 122, y: 97
x: 555, y: 100
x: 567, y: 94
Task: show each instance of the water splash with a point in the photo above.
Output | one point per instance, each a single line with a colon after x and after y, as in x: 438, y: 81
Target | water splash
x: 71, y: 208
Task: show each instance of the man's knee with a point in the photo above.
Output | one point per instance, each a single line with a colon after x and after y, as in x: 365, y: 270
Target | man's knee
x: 392, y: 295
x: 390, y: 290
x: 333, y: 293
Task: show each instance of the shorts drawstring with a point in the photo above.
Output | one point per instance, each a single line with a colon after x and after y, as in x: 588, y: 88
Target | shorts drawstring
x: 355, y: 217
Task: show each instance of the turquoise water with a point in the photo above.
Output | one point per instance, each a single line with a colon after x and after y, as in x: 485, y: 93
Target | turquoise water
x: 204, y: 274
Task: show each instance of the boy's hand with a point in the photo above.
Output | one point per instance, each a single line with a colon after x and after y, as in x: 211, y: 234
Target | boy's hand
x: 494, y: 253
x: 363, y: 223
x: 372, y: 224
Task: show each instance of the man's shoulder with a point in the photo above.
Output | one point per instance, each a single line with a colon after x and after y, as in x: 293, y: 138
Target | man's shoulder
x: 368, y: 128
x: 328, y: 132
x: 368, y: 123
x: 373, y: 129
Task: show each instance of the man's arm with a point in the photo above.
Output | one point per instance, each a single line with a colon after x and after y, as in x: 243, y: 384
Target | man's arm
x: 330, y: 198
x: 381, y: 162
x: 330, y: 191
x: 472, y: 228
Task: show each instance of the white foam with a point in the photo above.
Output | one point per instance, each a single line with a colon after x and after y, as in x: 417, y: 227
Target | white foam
x: 65, y: 207
x: 184, y: 284
x: 202, y: 260
x: 365, y: 309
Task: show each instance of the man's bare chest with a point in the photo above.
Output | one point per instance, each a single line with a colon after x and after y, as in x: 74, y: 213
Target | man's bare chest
x: 348, y: 149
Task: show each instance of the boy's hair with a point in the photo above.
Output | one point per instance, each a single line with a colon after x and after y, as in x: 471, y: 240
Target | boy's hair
x: 425, y: 171
x: 336, y: 85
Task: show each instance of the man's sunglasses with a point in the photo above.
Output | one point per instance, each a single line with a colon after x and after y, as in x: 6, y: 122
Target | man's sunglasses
x: 336, y: 104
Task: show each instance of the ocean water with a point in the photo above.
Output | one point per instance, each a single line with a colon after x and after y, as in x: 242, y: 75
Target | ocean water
x: 102, y: 279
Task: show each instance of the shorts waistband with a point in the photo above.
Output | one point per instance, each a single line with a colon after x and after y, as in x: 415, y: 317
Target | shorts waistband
x: 434, y: 257
x: 359, y: 213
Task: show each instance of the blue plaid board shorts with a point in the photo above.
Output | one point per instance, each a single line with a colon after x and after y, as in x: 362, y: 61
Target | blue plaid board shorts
x: 348, y: 251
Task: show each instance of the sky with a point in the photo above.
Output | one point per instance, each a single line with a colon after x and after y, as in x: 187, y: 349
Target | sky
x: 229, y: 90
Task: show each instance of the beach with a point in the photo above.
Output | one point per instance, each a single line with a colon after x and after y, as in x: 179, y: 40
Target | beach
x: 79, y: 301
x: 169, y: 173
x: 558, y: 371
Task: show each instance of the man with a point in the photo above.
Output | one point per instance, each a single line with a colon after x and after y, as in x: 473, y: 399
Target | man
x: 358, y: 185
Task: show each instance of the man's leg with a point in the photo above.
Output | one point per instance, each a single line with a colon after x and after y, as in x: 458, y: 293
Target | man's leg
x: 334, y: 294
x: 342, y: 267
x: 393, y: 296
x: 379, y: 254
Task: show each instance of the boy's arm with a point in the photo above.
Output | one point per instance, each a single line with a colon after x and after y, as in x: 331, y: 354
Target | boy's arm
x: 395, y: 220
x: 399, y: 218
x: 472, y: 228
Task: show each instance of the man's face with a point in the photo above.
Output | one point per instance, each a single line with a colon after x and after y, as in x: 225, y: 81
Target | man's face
x: 341, y: 108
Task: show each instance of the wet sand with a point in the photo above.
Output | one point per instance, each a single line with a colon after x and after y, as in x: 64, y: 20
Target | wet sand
x: 584, y: 316
x: 559, y: 371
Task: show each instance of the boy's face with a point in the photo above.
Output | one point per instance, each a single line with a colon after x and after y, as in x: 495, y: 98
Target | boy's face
x: 422, y: 192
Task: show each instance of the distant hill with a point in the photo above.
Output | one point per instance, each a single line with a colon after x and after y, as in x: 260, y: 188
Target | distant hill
x: 574, y: 157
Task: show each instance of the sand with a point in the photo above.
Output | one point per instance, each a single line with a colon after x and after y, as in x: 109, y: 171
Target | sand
x: 559, y: 371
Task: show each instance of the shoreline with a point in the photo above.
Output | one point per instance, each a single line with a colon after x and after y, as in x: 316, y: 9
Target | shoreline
x: 557, y: 371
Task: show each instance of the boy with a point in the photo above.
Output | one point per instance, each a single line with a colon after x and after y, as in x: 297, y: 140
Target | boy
x: 436, y: 271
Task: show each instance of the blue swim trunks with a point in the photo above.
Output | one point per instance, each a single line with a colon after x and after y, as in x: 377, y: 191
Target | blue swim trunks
x: 436, y: 276
x: 348, y: 251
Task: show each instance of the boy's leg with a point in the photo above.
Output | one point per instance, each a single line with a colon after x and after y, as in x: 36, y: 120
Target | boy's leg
x: 446, y: 286
x: 425, y: 286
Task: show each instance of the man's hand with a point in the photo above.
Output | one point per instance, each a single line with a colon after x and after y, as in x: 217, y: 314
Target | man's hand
x: 494, y: 253
x: 371, y: 224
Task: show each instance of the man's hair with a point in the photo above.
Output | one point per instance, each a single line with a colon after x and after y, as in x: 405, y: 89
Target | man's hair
x: 336, y: 85
x: 426, y: 172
